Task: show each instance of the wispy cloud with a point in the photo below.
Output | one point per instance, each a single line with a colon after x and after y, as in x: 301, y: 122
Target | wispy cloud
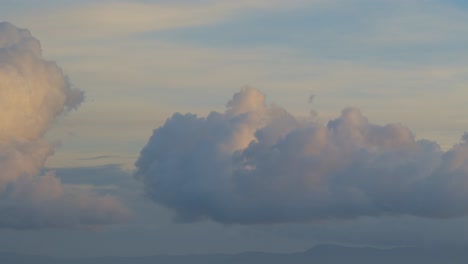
x: 98, y: 157
x: 117, y: 18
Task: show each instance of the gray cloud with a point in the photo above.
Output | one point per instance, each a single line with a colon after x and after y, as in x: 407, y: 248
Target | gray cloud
x: 33, y: 93
x: 97, y: 176
x: 256, y: 164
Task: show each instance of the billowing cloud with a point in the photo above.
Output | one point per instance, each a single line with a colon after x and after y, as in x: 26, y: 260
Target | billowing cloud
x: 256, y: 163
x: 33, y: 93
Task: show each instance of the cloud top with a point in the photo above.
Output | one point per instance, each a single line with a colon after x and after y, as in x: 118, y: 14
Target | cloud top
x: 33, y: 93
x: 256, y: 163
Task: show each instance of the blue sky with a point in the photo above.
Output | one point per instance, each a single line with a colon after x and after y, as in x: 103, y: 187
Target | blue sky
x: 140, y: 61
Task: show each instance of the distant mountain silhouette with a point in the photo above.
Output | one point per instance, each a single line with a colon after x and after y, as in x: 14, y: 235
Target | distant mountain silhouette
x: 322, y: 254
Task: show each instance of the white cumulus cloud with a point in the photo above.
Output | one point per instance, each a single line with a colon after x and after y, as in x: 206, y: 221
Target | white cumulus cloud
x: 256, y: 163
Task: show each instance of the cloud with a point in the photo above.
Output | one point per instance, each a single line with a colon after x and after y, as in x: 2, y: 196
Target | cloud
x: 98, y: 157
x: 33, y: 93
x: 116, y: 19
x: 256, y: 164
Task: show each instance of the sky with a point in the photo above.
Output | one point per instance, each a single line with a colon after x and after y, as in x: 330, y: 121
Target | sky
x: 192, y: 126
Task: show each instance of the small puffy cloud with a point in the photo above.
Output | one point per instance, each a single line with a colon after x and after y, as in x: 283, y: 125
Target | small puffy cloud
x: 33, y: 93
x: 257, y: 163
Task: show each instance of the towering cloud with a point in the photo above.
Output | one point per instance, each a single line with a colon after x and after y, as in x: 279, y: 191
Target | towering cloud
x: 256, y: 163
x: 33, y: 93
